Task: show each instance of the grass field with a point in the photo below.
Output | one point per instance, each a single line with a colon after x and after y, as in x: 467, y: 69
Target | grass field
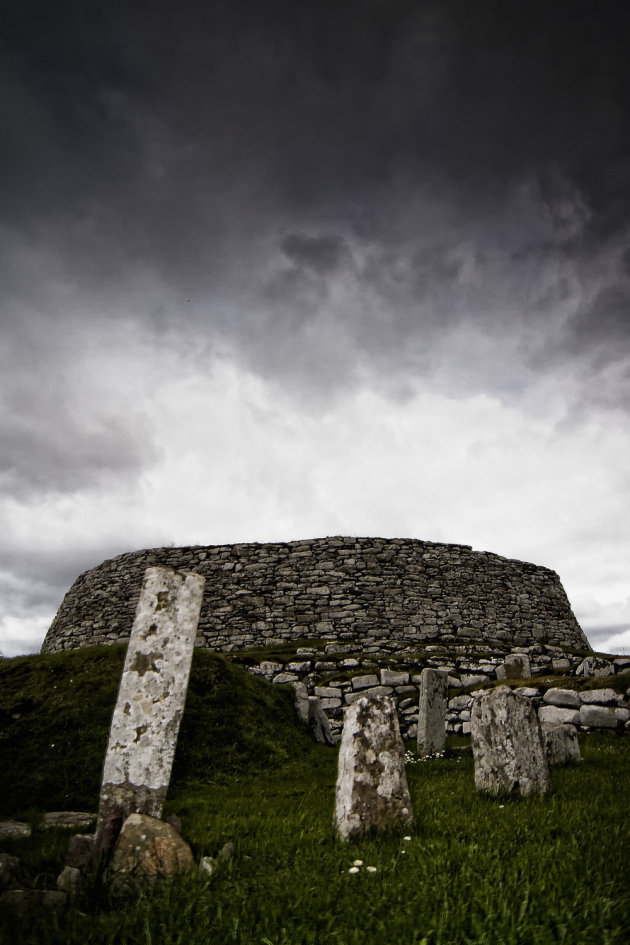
x: 471, y: 870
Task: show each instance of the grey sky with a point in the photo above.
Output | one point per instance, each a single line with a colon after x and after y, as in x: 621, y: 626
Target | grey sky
x: 398, y: 227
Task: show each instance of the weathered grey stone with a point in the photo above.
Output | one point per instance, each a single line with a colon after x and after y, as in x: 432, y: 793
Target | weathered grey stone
x: 14, y: 828
x: 600, y: 697
x: 556, y: 715
x: 391, y: 677
x: 149, y: 847
x: 622, y: 713
x: 371, y: 791
x: 431, y: 736
x: 561, y: 743
x: 67, y: 818
x: 595, y: 666
x: 351, y: 697
x: 507, y: 745
x: 515, y: 666
x: 326, y: 692
x: 472, y: 680
x: 598, y: 716
x: 561, y: 665
x: 286, y: 678
x: 152, y: 693
x: 301, y: 700
x: 528, y: 691
x: 69, y: 879
x: 566, y: 698
x: 364, y: 682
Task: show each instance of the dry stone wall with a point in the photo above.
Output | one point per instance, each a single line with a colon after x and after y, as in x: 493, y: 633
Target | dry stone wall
x: 378, y: 593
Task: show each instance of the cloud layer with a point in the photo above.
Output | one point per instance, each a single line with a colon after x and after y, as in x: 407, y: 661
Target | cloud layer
x: 272, y: 270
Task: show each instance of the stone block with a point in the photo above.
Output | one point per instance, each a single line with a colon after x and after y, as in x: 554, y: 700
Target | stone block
x: 557, y: 715
x: 390, y: 677
x: 364, y: 682
x: 566, y: 698
x: 598, y: 716
x: 150, y: 703
x: 600, y: 697
x: 371, y: 791
x: 507, y: 745
x: 352, y: 697
x: 431, y: 737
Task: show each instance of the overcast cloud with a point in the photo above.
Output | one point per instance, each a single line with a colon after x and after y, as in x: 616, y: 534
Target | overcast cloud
x: 275, y: 270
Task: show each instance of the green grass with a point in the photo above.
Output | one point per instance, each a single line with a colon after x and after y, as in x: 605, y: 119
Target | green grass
x: 476, y: 870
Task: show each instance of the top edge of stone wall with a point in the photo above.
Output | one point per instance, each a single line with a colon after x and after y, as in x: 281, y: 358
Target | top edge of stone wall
x: 406, y: 589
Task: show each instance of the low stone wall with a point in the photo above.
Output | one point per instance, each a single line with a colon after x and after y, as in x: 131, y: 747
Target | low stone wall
x: 338, y: 676
x: 374, y: 592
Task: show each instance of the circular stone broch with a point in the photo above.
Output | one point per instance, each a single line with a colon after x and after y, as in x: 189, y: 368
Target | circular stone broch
x: 360, y: 590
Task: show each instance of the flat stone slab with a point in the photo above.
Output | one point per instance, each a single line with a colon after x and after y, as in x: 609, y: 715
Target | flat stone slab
x: 371, y: 791
x: 561, y: 744
x: 146, y: 719
x: 14, y: 828
x: 68, y: 818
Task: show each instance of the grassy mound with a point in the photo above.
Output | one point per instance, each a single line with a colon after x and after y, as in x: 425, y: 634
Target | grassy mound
x: 473, y: 870
x: 56, y: 709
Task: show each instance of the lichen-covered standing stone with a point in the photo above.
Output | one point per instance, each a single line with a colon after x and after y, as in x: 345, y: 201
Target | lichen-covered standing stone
x: 507, y: 745
x: 372, y: 791
x: 432, y: 712
x: 152, y: 693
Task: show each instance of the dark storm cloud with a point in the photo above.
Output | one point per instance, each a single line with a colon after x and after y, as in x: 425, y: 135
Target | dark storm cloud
x: 244, y: 153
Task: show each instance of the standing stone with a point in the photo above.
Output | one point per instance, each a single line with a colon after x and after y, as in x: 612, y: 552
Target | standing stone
x: 507, y: 745
x: 151, y: 698
x: 432, y: 712
x: 372, y: 791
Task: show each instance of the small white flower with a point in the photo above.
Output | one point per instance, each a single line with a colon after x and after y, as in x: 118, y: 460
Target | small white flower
x: 501, y: 806
x: 353, y: 869
x: 358, y: 863
x: 371, y: 869
x: 406, y: 838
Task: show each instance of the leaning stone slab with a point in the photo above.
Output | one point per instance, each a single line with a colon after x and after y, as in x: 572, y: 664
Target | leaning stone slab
x: 431, y: 737
x: 152, y: 693
x: 507, y: 745
x: 561, y: 743
x: 150, y: 847
x: 371, y: 791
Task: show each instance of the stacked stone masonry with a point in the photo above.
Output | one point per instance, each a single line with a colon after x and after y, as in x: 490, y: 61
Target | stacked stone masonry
x: 375, y: 592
